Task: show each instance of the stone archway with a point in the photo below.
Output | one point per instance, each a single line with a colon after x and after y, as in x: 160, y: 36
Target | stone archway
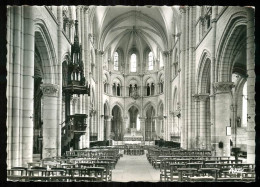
x: 151, y: 129
x: 117, y: 131
x: 50, y: 92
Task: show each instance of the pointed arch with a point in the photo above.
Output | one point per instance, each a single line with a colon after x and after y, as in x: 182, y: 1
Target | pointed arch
x: 46, y: 49
x: 235, y: 27
x: 203, y: 75
x: 119, y: 105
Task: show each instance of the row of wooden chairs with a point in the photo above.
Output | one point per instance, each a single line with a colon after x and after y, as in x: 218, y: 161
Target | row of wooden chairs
x: 184, y: 173
x: 52, y: 179
x: 156, y: 161
x: 101, y: 173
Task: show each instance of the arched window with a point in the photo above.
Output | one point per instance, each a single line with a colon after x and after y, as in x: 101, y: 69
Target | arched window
x: 148, y: 89
x: 130, y: 89
x: 161, y: 87
x: 161, y: 60
x: 114, y: 89
x: 116, y: 61
x: 152, y: 89
x: 150, y: 61
x: 133, y: 62
x: 118, y: 89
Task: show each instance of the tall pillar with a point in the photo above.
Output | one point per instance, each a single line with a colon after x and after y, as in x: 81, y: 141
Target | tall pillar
x: 142, y: 124
x: 196, y: 121
x: 28, y: 85
x: 100, y: 121
x: 86, y: 60
x: 9, y: 68
x: 60, y: 44
x: 50, y: 122
x: 212, y: 78
x: 223, y: 102
x: 15, y: 116
x: 167, y: 93
x: 182, y: 75
x: 125, y: 119
x: 250, y: 86
x: 108, y: 129
x: 203, y: 123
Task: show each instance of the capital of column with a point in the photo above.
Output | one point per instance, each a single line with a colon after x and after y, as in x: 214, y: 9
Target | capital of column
x: 50, y: 90
x: 99, y: 52
x: 203, y: 97
x: 196, y: 97
x: 167, y: 53
x: 182, y: 9
x: 223, y: 87
x: 142, y: 119
x: 86, y: 9
x: 108, y: 118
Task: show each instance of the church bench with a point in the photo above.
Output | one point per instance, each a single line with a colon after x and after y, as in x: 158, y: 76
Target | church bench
x: 41, y: 171
x: 194, y: 165
x: 108, y: 170
x: 184, y: 173
x: 112, y: 162
x: 174, y: 174
x: 20, y: 171
x: 56, y: 172
x: 212, y: 172
x: 32, y: 164
x: 201, y: 179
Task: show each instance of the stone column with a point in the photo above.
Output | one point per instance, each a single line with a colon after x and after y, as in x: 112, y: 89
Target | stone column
x: 167, y: 92
x: 212, y: 77
x: 50, y: 122
x: 203, y: 123
x: 182, y: 75
x: 142, y: 124
x: 108, y: 129
x: 60, y: 44
x: 14, y: 99
x: 28, y: 84
x: 222, y: 117
x: 100, y: 121
x: 125, y: 119
x: 196, y: 120
x: 250, y: 86
x: 86, y: 68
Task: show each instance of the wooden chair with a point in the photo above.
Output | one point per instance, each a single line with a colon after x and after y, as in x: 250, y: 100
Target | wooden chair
x: 194, y: 165
x: 97, y: 172
x: 56, y: 172
x: 85, y: 165
x: 84, y: 179
x: 32, y: 164
x: 201, y: 179
x: 107, y: 171
x: 76, y: 172
x: 60, y: 178
x: 37, y: 179
x: 37, y: 170
x: 212, y: 172
x: 165, y: 168
x: 174, y: 174
x: 184, y: 173
x: 17, y: 171
x: 229, y: 179
x: 248, y: 177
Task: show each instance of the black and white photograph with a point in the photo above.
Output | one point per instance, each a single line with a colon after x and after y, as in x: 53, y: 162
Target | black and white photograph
x: 130, y: 93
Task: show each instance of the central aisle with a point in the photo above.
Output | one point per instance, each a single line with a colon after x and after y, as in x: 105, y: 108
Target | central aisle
x: 135, y: 168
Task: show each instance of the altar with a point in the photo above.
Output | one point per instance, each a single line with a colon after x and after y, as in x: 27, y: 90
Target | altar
x: 134, y: 135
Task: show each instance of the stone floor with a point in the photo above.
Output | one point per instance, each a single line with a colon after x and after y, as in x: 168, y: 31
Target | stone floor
x: 135, y: 168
